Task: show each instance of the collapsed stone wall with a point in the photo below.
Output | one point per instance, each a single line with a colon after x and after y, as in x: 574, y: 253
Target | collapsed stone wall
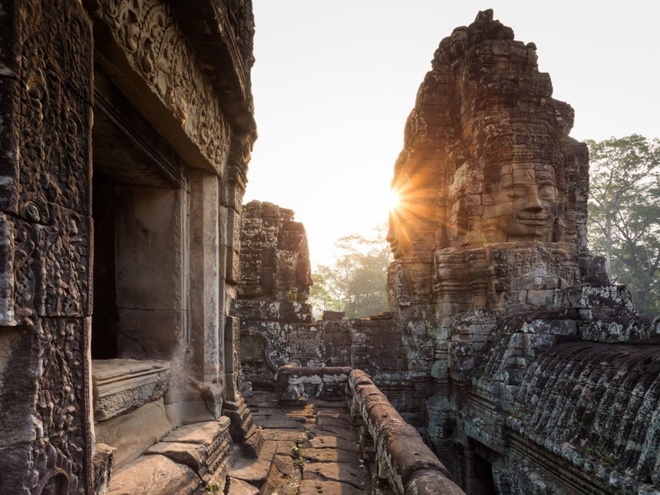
x: 277, y: 325
x: 272, y: 293
x: 492, y: 271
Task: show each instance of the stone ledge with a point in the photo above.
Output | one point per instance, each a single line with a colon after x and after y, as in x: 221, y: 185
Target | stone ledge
x: 120, y: 385
x: 134, y: 432
x: 155, y: 475
x: 203, y: 447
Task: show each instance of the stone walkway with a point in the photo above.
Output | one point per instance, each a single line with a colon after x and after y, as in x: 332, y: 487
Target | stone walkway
x: 308, y: 449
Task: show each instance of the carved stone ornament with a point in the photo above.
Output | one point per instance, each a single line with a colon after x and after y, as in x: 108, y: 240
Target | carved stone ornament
x: 45, y: 291
x: 157, y: 50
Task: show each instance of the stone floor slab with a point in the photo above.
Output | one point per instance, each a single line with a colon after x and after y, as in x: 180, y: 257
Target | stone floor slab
x: 331, y: 442
x: 253, y: 471
x: 331, y: 455
x: 318, y: 487
x: 192, y: 456
x: 279, y: 435
x: 240, y: 487
x: 154, y: 475
x: 333, y: 422
x: 354, y: 475
x: 345, y: 433
x: 204, y: 433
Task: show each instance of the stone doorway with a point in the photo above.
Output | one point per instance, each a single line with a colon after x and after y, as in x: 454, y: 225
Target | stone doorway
x: 140, y: 290
x: 139, y: 202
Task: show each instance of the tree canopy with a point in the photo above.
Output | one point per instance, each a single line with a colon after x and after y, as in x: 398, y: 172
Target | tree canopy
x: 357, y: 282
x: 624, y: 213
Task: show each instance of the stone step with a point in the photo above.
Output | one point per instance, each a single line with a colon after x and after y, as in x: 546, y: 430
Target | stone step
x: 189, y: 458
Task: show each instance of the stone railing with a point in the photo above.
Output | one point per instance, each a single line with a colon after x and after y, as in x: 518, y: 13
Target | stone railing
x: 401, y: 456
x: 296, y: 384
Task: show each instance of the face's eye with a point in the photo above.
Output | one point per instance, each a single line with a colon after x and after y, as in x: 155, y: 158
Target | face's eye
x: 547, y: 191
x: 518, y: 192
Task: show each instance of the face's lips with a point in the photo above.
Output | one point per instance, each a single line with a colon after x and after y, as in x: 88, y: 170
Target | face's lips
x: 533, y: 219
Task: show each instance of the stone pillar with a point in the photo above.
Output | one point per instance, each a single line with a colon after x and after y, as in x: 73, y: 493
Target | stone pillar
x: 45, y: 247
x: 206, y: 329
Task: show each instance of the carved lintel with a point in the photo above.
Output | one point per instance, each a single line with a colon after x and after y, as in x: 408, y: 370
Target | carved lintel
x: 141, y: 47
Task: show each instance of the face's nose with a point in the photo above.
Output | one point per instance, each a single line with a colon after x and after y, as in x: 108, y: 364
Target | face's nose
x: 533, y: 203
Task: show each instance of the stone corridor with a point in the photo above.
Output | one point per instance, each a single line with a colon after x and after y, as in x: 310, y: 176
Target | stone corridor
x: 306, y: 449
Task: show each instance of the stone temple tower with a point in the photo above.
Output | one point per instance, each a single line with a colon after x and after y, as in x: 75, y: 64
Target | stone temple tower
x: 492, y: 269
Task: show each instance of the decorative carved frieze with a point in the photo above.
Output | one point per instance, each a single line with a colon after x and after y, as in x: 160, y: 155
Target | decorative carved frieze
x: 46, y: 268
x: 151, y: 45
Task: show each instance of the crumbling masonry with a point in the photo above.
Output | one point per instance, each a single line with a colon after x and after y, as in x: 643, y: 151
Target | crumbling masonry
x: 545, y: 378
x: 126, y: 128
x: 527, y: 371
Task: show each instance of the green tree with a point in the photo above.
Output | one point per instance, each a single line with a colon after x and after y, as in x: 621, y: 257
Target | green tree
x: 624, y: 213
x: 320, y: 297
x: 357, y: 281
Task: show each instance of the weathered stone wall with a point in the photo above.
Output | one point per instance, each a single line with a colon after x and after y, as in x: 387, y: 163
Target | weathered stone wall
x: 46, y: 238
x: 277, y: 326
x: 276, y: 321
x: 492, y: 273
x: 596, y: 406
x: 169, y: 86
x: 274, y: 255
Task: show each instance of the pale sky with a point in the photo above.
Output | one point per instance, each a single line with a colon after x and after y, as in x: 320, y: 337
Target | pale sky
x: 334, y: 81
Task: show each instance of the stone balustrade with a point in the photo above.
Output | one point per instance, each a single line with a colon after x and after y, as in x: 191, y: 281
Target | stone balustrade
x: 296, y: 384
x: 402, y: 457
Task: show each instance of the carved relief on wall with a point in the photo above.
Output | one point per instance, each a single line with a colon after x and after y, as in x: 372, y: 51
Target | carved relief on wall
x: 53, y: 159
x: 158, y: 51
x: 48, y: 267
x: 62, y: 406
x: 242, y: 21
x: 47, y: 236
x: 45, y: 228
x: 487, y: 164
x: 487, y: 154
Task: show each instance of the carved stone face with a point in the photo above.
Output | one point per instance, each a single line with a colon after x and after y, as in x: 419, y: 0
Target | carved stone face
x: 523, y: 205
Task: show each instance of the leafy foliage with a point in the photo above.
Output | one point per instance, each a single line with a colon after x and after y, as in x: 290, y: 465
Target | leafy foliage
x: 357, y: 282
x: 624, y: 214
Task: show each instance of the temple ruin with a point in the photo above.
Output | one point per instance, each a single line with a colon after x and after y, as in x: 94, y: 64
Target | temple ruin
x: 155, y: 335
x: 541, y: 368
x: 126, y: 129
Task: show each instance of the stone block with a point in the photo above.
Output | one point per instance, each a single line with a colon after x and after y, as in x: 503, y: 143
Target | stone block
x: 51, y: 277
x: 149, y: 235
x: 188, y: 411
x: 354, y: 475
x: 17, y: 462
x: 204, y: 447
x: 143, y: 332
x: 205, y: 433
x: 121, y: 385
x: 134, y: 432
x: 103, y: 462
x: 19, y: 378
x: 314, y: 487
x: 155, y: 475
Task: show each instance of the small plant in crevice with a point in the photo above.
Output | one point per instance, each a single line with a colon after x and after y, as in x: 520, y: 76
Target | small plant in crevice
x: 213, y: 487
x: 602, y: 453
x: 297, y: 451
